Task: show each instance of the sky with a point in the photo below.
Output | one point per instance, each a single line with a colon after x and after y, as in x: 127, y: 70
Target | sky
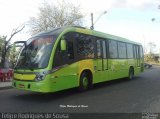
x: 130, y: 19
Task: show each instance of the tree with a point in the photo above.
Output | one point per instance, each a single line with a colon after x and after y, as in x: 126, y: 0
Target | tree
x: 149, y: 58
x: 12, y: 55
x: 5, y: 44
x: 2, y: 41
x: 53, y: 16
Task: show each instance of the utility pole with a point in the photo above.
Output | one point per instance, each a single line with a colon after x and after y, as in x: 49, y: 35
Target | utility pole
x: 93, y: 23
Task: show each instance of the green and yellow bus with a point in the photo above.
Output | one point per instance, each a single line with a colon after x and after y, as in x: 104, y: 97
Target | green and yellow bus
x: 73, y: 56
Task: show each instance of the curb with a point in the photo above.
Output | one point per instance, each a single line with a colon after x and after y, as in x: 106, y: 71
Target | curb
x: 6, y: 87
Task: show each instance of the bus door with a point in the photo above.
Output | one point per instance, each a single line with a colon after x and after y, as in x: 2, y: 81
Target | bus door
x: 137, y: 55
x: 105, y: 60
x: 99, y: 55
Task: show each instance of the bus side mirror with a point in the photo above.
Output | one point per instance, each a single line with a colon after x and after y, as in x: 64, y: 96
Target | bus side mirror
x: 63, y: 45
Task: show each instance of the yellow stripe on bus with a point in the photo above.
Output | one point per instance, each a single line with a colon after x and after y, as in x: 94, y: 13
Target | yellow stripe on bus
x: 24, y: 76
x: 85, y: 31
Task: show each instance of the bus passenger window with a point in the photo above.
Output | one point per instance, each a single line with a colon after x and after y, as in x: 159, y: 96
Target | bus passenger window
x: 85, y: 48
x: 130, y: 51
x: 113, y: 53
x: 122, y: 50
x: 99, y: 51
x: 141, y: 52
x: 104, y: 49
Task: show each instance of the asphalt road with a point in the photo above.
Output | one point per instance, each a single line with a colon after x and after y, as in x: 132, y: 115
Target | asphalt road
x: 122, y: 96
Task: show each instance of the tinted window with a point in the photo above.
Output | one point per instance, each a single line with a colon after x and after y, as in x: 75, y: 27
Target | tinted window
x: 104, y: 49
x: 70, y: 38
x: 113, y: 49
x: 136, y: 49
x: 129, y: 50
x: 122, y: 50
x: 70, y: 50
x: 68, y: 56
x: 99, y: 52
x: 85, y: 46
x: 37, y: 52
x: 141, y: 52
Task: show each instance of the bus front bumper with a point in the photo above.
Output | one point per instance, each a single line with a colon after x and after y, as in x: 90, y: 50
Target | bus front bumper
x: 40, y: 86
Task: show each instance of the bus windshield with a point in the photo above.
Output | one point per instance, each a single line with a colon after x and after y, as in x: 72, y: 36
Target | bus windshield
x: 36, y: 53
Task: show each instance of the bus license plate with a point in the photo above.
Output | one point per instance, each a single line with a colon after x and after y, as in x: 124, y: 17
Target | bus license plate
x: 21, y: 86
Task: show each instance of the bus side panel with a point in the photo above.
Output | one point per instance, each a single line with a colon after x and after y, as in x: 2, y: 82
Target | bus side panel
x: 65, y: 78
x: 100, y: 75
x: 118, y: 68
x: 86, y: 65
x: 137, y: 69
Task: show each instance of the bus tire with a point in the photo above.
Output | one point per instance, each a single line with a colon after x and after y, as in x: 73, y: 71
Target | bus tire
x: 131, y: 73
x: 84, y: 82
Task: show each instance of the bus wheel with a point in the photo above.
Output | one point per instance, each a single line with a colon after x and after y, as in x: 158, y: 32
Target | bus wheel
x: 131, y: 73
x: 84, y: 82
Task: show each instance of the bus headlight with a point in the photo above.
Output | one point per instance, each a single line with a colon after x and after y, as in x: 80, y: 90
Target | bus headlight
x: 40, y: 76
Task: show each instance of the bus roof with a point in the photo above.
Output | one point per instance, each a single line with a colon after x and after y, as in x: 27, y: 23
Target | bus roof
x: 100, y: 34
x: 86, y: 31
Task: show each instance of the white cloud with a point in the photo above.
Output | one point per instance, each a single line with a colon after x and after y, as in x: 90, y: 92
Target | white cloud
x: 101, y: 5
x: 141, y: 4
x: 15, y: 12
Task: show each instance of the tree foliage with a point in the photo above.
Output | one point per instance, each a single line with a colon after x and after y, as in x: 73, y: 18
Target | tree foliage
x: 151, y: 58
x: 12, y: 55
x: 9, y: 58
x: 148, y: 57
x: 55, y: 15
x: 2, y: 42
x: 5, y: 46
